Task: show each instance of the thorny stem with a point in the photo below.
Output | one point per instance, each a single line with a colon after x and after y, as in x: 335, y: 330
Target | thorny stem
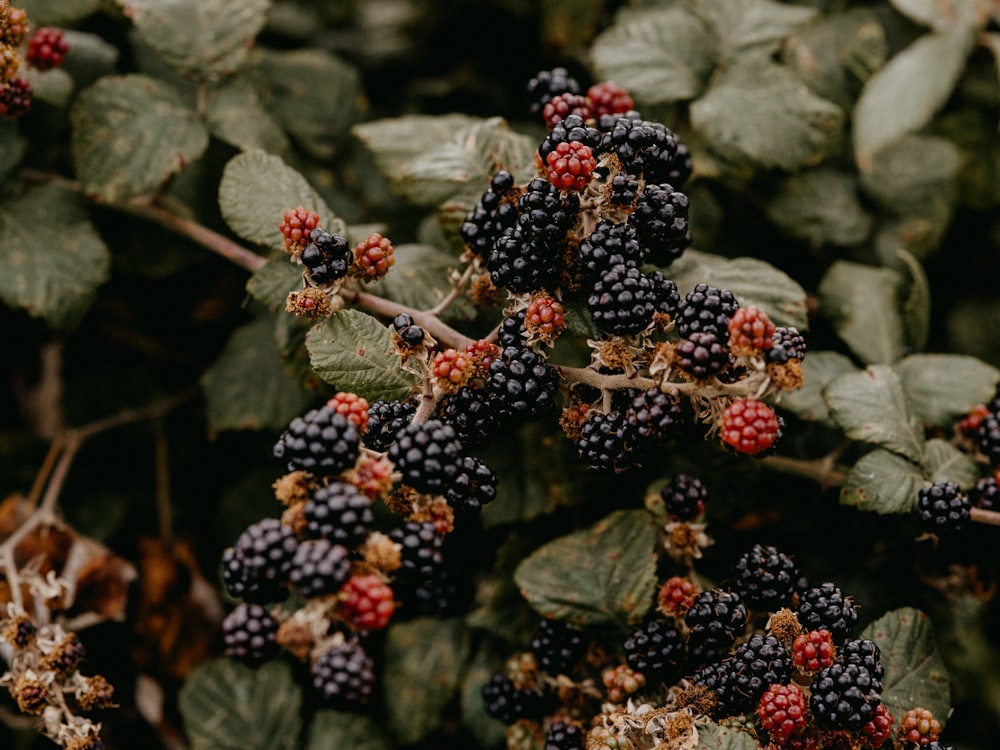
x: 457, y: 290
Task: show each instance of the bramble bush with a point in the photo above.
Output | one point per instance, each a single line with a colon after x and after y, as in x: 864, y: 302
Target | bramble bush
x: 525, y: 375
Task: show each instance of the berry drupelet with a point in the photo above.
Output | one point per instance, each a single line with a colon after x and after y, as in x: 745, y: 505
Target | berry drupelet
x: 426, y: 454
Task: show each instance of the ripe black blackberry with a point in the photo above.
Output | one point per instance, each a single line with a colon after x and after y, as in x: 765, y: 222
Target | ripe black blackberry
x: 622, y: 301
x: 660, y: 220
x: 327, y: 257
x: 474, y: 485
x: 608, y: 245
x: 756, y: 664
x: 564, y: 735
x: 444, y: 594
x: 656, y: 649
x: 708, y: 309
x: 571, y: 128
x: 764, y: 578
x: 260, y: 562
x: 339, y: 512
x: 826, y: 607
x: 864, y: 652
x: 426, y: 454
x: 512, y: 330
x: 407, y: 335
x: 483, y: 226
x: 988, y: 437
x: 608, y: 443
x: 523, y: 385
x: 506, y: 703
x: 986, y: 494
x: 641, y: 147
x: 322, y: 442
x: 787, y: 343
x: 420, y: 545
x: 943, y: 508
x: 681, y: 167
x: 654, y: 415
x: 844, y: 696
x: 469, y: 411
x: 668, y: 298
x: 557, y: 646
x: 344, y: 674
x: 701, y: 355
x: 549, y: 83
x: 623, y: 190
x: 320, y: 567
x: 684, y: 497
x: 523, y: 262
x: 717, y: 618
x: 385, y: 420
x: 249, y: 633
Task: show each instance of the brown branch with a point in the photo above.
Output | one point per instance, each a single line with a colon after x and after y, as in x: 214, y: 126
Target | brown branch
x: 821, y: 470
x: 441, y: 331
x: 981, y: 515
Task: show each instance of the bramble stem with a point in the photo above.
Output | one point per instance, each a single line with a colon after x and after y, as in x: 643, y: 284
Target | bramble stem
x: 822, y: 470
x: 981, y: 515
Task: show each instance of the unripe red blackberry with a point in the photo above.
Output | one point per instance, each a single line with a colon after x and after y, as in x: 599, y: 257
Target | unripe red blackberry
x: 426, y: 454
x: 15, y: 98
x: 562, y: 105
x: 452, y: 369
x: 570, y: 166
x: 750, y: 331
x: 813, y: 650
x: 702, y: 355
x: 366, y: 602
x: 249, y: 633
x: 296, y: 226
x: 544, y: 317
x: 676, y: 596
x: 352, y: 406
x: 825, y: 607
x: 339, y: 512
x: 344, y: 675
x: 47, y: 48
x: 765, y: 578
x: 684, y: 497
x: 546, y: 84
x: 749, y: 426
x: 319, y: 567
x: 878, y: 731
x: 14, y: 26
x: 943, y: 508
x: 373, y: 257
x: 608, y: 98
x: 322, y: 442
x: 783, y: 710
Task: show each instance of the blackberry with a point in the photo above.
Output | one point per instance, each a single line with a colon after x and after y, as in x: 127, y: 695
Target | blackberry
x: 564, y: 735
x: 15, y: 97
x: 469, y: 412
x: 701, y: 355
x: 825, y: 607
x: 322, y: 442
x: 486, y: 222
x: 474, y: 485
x: 320, y: 567
x: 786, y: 343
x: 717, y: 618
x: 942, y: 507
x: 660, y: 220
x: 571, y: 128
x: 503, y: 701
x: 339, y: 512
x: 608, y: 443
x: 844, y: 696
x: 385, y: 420
x: 546, y: 84
x: 444, y: 594
x: 557, y: 646
x: 426, y: 454
x: 708, y: 309
x: 764, y: 578
x: 641, y: 147
x: 681, y: 166
x: 656, y: 649
x: 986, y: 494
x: 327, y: 257
x: 344, y: 674
x: 420, y: 545
x: 622, y: 301
x: 406, y: 333
x: 684, y: 497
x: 988, y: 437
x: 523, y: 386
x: 261, y: 561
x: 755, y: 665
x: 609, y: 245
x: 653, y: 414
x: 864, y: 652
x: 668, y: 298
x: 623, y: 190
x: 511, y: 331
x: 546, y: 212
x: 249, y: 633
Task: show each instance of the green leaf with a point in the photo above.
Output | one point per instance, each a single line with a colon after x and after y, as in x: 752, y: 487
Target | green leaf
x: 268, y: 400
x: 758, y: 114
x: 660, y: 55
x: 58, y: 12
x: 228, y: 706
x: 819, y: 369
x: 52, y: 260
x: 419, y: 277
x: 601, y: 575
x: 130, y: 134
x: 271, y: 283
x: 54, y: 87
x: 235, y: 114
x: 862, y: 304
x: 915, y: 673
x: 352, y: 352
x: 751, y: 280
x: 487, y: 731
x: 257, y: 189
x: 203, y: 39
x: 423, y: 668
x: 12, y: 146
x: 714, y: 737
x: 751, y: 25
x: 943, y: 462
x: 90, y: 57
x: 430, y: 159
x: 822, y: 207
x: 943, y: 388
x: 330, y: 729
x: 872, y: 406
x: 915, y: 307
x: 912, y: 172
x: 943, y: 16
x: 318, y: 118
x: 905, y: 94
x: 883, y: 482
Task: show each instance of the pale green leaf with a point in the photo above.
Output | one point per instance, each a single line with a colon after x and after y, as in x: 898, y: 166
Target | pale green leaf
x: 130, y: 134
x: 943, y: 388
x: 822, y: 207
x: 715, y: 737
x: 659, y: 55
x: 57, y: 12
x: 943, y: 462
x: 423, y: 667
x: 915, y: 673
x: 52, y: 260
x: 605, y: 574
x: 198, y: 38
x: 943, y: 14
x: 862, y: 304
x: 905, y: 94
x: 346, y: 729
x: 352, y: 352
x: 819, y: 369
x: 758, y: 114
x: 882, y: 482
x: 228, y: 706
x: 745, y: 25
x: 751, y: 280
x: 234, y: 114
x: 90, y: 56
x: 272, y: 282
x: 872, y: 406
x: 257, y: 189
x: 268, y: 400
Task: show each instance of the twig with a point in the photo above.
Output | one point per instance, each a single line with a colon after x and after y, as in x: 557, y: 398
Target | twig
x: 821, y: 470
x: 981, y: 515
x: 441, y: 331
x: 457, y: 290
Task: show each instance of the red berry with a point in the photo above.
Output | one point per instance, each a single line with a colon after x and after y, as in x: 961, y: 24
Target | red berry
x: 15, y: 98
x: 919, y: 727
x: 544, y: 318
x: 352, y: 406
x: 562, y: 105
x: 374, y: 257
x: 676, y: 595
x: 608, y: 98
x: 783, y: 710
x: 47, y: 48
x: 750, y: 330
x: 366, y: 602
x: 749, y: 426
x: 570, y: 165
x: 371, y: 476
x: 969, y: 424
x: 296, y: 226
x: 483, y: 352
x: 452, y: 368
x: 813, y: 650
x: 876, y: 732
